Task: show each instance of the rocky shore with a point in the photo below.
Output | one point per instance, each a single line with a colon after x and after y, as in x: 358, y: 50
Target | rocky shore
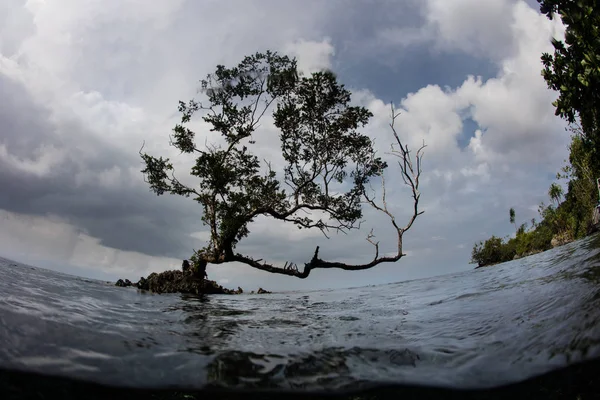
x: 186, y: 281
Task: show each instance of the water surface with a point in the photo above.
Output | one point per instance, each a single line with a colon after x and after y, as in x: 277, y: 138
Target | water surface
x: 477, y: 329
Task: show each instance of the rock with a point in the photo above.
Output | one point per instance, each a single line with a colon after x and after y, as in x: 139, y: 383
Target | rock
x: 595, y: 222
x: 123, y: 283
x: 142, y: 284
x: 529, y: 253
x: 561, y: 239
x: 240, y: 290
x: 262, y: 291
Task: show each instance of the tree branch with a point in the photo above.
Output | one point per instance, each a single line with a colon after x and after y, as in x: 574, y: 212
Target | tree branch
x: 411, y: 174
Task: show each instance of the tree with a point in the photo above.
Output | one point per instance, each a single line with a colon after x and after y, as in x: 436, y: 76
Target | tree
x: 574, y: 71
x: 555, y: 192
x: 329, y: 164
x: 511, y: 214
x: 574, y: 68
x: 581, y: 197
x: 492, y: 251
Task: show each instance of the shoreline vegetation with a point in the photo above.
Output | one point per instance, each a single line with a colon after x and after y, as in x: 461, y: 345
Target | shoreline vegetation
x: 567, y: 218
x: 574, y: 218
x: 188, y: 281
x: 539, y: 237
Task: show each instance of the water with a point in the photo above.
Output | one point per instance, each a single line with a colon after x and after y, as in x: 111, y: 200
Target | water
x: 477, y: 329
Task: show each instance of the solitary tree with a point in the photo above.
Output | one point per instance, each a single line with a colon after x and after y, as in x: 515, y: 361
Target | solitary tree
x: 328, y: 162
x: 511, y: 214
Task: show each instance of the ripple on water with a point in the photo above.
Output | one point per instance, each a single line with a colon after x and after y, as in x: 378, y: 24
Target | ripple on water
x: 482, y: 328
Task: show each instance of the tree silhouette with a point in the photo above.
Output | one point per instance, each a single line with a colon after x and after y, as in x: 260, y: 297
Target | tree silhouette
x: 328, y: 168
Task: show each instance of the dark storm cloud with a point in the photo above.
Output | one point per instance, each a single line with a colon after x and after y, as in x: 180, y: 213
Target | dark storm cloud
x: 364, y: 59
x: 124, y: 216
x: 392, y: 83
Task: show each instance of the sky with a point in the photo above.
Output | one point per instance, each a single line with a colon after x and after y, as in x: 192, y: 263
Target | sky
x: 84, y: 83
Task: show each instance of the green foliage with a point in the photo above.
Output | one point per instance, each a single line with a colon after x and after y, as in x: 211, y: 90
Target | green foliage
x: 555, y: 192
x: 574, y: 71
x: 569, y: 220
x: 496, y: 250
x: 488, y: 252
x: 574, y: 68
x: 582, y: 194
x: 320, y: 142
x: 532, y: 241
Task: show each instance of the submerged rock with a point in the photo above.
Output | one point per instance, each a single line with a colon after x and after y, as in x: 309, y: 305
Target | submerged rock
x: 123, y: 283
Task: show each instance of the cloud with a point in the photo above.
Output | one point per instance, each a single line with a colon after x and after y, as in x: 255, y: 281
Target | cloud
x: 312, y: 56
x: 472, y: 26
x: 517, y: 143
x: 56, y: 164
x: 84, y: 84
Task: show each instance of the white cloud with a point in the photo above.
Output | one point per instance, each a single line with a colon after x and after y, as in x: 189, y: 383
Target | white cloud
x: 513, y: 110
x: 312, y: 56
x: 473, y: 26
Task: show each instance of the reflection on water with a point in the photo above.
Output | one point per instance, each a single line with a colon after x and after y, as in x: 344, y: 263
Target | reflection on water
x: 481, y: 328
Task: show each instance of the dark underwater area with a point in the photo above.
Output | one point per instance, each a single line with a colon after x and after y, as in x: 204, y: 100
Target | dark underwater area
x: 578, y: 381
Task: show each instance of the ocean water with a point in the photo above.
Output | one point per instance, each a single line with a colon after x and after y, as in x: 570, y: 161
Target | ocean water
x: 479, y: 329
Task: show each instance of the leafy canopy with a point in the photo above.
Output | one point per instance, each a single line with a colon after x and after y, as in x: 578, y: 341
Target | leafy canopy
x: 574, y: 68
